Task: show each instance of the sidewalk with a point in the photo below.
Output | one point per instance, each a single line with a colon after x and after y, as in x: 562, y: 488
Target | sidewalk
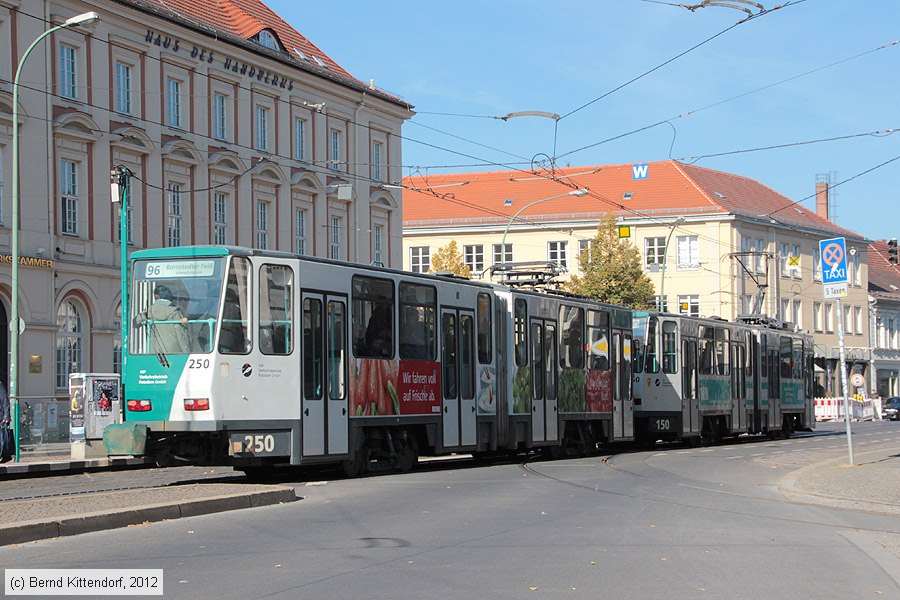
x: 56, y: 459
x: 872, y: 484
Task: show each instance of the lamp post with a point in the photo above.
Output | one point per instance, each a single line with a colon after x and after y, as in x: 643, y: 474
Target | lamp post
x: 579, y: 192
x: 14, y: 327
x: 662, y: 280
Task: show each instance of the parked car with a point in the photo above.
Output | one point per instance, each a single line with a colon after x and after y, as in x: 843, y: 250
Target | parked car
x: 891, y: 409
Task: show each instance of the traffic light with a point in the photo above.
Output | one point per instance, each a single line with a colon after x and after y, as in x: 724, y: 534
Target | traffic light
x: 893, y: 257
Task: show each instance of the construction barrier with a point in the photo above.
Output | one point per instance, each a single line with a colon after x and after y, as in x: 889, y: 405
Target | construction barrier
x: 829, y: 409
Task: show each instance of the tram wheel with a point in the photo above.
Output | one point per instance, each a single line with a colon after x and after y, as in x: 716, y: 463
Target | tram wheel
x: 358, y: 462
x: 407, y: 456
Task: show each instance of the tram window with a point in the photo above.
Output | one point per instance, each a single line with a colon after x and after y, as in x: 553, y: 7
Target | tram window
x: 707, y: 356
x: 466, y: 357
x: 449, y: 357
x: 571, y: 355
x: 234, y: 335
x: 787, y: 359
x: 689, y: 369
x: 337, y: 355
x: 373, y: 317
x: 521, y: 332
x: 276, y: 309
x: 798, y: 360
x: 598, y: 334
x: 418, y: 309
x: 616, y: 362
x: 625, y: 366
x: 312, y: 348
x: 669, y: 347
x: 537, y: 361
x: 748, y: 352
x: 550, y: 349
x: 485, y: 337
x: 651, y: 349
x: 722, y: 361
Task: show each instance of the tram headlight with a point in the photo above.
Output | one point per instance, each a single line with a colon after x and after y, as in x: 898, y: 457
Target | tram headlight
x: 196, y: 404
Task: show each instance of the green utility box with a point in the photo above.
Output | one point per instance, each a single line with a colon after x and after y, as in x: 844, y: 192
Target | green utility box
x: 129, y: 439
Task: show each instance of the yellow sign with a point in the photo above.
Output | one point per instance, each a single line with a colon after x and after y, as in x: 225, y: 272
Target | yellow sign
x: 28, y: 261
x: 794, y: 261
x: 624, y: 231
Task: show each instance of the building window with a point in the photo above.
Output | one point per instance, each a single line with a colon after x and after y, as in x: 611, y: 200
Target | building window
x: 220, y: 116
x: 857, y: 319
x: 420, y: 259
x: 68, y: 72
x: 584, y: 246
x: 173, y: 103
x: 795, y: 268
x: 689, y: 305
x: 817, y: 316
x: 69, y: 342
x: 300, y: 231
x: 857, y: 271
x: 661, y: 303
x: 557, y: 252
x: 688, y: 252
x: 502, y: 254
x: 334, y: 239
x: 262, y: 225
x: 68, y: 185
x: 785, y: 313
x: 262, y: 128
x: 473, y: 257
x: 174, y: 215
x: 783, y: 260
x: 300, y: 139
x: 654, y: 247
x: 377, y: 245
x: 797, y: 315
x: 334, y: 150
x: 848, y: 324
x: 1, y: 185
x: 123, y: 88
x: 376, y: 161
x: 817, y: 265
x: 760, y: 259
x: 220, y: 218
x: 829, y: 317
x: 268, y: 40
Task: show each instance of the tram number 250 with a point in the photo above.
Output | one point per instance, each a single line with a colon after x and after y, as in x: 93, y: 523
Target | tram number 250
x: 260, y: 444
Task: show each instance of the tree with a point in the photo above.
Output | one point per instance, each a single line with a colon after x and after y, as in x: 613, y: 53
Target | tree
x: 612, y: 270
x: 449, y: 258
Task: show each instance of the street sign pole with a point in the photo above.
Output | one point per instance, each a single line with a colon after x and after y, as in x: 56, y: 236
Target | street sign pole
x: 834, y: 280
x: 840, y: 324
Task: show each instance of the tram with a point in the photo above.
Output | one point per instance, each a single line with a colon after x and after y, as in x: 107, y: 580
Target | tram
x: 702, y: 379
x: 260, y: 359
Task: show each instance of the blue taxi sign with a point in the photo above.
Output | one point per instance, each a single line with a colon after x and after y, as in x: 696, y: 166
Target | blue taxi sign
x: 834, y: 260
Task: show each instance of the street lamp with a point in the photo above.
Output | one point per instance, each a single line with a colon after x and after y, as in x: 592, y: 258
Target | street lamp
x: 579, y: 192
x: 15, y: 328
x: 662, y: 280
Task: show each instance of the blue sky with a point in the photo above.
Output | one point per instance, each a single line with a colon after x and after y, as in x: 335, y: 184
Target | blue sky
x: 500, y: 56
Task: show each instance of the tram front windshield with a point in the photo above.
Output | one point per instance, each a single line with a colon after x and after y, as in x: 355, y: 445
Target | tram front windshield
x: 175, y: 305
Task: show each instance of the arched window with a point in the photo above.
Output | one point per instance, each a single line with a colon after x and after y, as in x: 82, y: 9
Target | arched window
x: 267, y: 38
x: 69, y: 342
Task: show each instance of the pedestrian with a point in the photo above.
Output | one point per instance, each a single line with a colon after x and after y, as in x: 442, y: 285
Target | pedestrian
x: 168, y: 325
x: 7, y: 448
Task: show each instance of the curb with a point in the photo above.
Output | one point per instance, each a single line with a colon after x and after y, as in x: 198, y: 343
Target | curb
x: 790, y: 490
x: 30, y: 531
x: 65, y: 467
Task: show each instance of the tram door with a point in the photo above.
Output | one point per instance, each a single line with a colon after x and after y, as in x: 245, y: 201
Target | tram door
x: 545, y: 401
x: 458, y: 377
x: 324, y: 364
x: 623, y: 405
x: 690, y: 387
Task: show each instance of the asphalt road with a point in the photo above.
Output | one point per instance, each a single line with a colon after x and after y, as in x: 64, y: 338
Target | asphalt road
x: 680, y: 523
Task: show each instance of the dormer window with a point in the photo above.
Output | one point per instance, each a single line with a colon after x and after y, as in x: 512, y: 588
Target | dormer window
x: 267, y: 39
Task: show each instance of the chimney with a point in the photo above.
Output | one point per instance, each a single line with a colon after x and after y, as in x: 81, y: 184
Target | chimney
x: 822, y: 199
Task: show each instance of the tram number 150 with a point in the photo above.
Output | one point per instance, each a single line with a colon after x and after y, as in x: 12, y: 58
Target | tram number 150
x: 661, y: 424
x: 260, y: 444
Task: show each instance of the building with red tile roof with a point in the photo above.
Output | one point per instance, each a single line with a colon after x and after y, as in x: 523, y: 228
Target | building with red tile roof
x: 714, y: 243
x: 239, y: 131
x: 884, y: 306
